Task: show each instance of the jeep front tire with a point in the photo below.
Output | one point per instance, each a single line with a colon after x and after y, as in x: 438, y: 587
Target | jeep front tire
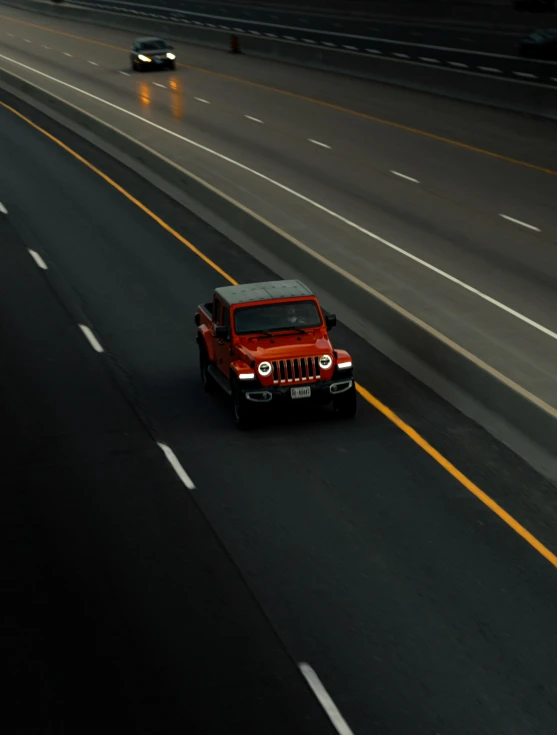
x: 243, y: 412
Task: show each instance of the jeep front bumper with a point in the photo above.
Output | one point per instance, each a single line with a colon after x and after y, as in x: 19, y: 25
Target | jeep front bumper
x: 321, y: 391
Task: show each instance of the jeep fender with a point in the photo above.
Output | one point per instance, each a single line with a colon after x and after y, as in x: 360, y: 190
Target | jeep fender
x: 342, y: 356
x: 240, y: 367
x: 204, y: 337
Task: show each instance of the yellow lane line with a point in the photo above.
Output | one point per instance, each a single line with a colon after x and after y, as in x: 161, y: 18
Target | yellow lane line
x: 128, y: 196
x: 364, y: 393
x: 311, y: 100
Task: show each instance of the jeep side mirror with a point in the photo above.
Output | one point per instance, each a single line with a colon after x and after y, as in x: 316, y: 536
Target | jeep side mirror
x: 221, y: 333
x: 330, y: 321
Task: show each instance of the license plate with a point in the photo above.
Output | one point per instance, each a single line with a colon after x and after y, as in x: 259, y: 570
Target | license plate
x: 304, y: 392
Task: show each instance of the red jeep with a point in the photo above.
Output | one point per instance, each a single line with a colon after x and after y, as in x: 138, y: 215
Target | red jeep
x: 268, y: 343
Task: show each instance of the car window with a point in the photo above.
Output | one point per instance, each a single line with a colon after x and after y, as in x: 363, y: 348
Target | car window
x: 155, y: 44
x: 279, y: 316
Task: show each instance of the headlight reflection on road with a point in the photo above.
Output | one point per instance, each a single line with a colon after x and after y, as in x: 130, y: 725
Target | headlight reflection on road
x: 176, y: 98
x: 144, y: 94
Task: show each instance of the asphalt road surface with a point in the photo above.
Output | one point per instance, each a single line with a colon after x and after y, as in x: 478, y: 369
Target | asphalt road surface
x: 413, y: 38
x: 427, y: 200
x: 120, y: 605
x: 420, y: 609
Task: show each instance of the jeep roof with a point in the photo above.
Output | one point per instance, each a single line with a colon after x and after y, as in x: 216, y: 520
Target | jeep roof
x: 264, y: 291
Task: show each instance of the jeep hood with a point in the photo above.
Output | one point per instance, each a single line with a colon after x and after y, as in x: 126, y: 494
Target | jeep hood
x: 291, y: 346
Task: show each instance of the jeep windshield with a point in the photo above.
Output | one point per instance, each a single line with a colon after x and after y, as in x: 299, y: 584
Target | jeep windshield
x: 280, y: 316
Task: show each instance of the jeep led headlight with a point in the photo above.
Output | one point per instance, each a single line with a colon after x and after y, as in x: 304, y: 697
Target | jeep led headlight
x: 264, y: 368
x: 325, y: 361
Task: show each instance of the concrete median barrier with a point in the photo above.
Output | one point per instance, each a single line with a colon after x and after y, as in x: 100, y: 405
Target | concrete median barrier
x: 516, y: 417
x: 507, y: 93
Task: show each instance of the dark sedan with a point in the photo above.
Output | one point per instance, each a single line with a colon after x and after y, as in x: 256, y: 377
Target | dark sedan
x: 152, y: 53
x: 540, y: 45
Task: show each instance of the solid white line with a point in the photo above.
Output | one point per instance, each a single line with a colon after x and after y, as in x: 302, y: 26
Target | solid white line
x: 317, y: 142
x: 3, y: 209
x: 254, y: 119
x: 38, y: 260
x: 176, y: 466
x: 491, y: 69
x: 200, y: 99
x: 93, y: 341
x: 299, y: 196
x: 403, y: 176
x: 519, y: 222
x: 332, y: 711
x: 157, y: 84
x: 93, y: 63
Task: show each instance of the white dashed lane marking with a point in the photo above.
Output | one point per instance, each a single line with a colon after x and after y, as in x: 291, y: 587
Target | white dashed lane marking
x: 404, y: 176
x: 325, y: 700
x: 200, y: 99
x: 519, y: 222
x: 3, y: 209
x: 254, y: 119
x: 93, y: 341
x: 319, y: 143
x: 176, y: 466
x: 38, y: 260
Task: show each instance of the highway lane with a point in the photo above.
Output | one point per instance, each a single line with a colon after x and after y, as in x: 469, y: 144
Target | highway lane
x: 121, y: 605
x: 420, y: 610
x: 488, y: 51
x: 448, y: 212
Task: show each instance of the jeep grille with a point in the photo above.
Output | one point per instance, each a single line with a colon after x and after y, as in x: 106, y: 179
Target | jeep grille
x: 302, y: 369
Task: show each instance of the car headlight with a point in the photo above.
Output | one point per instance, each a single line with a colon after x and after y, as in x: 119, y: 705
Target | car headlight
x: 170, y: 56
x: 325, y: 361
x: 264, y: 369
x: 143, y: 58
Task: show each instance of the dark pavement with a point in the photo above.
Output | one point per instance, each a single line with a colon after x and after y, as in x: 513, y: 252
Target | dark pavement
x: 121, y: 610
x: 419, y: 609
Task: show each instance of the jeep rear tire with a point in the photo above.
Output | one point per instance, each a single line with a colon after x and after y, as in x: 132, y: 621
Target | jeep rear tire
x: 243, y: 412
x: 206, y: 379
x: 345, y: 404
